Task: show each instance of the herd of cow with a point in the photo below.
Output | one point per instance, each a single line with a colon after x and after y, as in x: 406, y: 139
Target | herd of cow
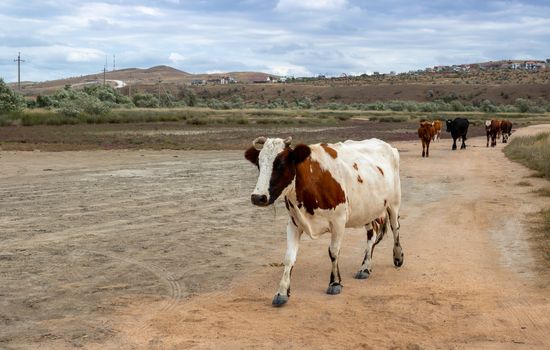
x: 431, y: 131
x: 329, y: 187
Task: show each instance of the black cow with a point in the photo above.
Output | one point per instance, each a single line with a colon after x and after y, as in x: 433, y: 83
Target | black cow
x: 506, y: 129
x: 458, y: 128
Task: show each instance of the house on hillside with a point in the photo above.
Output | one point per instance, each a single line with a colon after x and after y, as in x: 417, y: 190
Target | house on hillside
x: 198, y: 82
x: 534, y: 65
x: 227, y: 80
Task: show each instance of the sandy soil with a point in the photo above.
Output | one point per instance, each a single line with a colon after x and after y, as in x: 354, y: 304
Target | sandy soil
x: 162, y: 250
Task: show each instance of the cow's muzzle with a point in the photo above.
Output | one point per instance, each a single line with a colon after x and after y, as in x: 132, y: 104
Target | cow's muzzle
x: 259, y: 200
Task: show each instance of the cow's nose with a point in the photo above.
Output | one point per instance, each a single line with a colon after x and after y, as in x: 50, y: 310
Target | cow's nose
x: 259, y: 199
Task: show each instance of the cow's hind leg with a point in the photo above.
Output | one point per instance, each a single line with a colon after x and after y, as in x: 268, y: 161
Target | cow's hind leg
x: 366, y: 266
x: 428, y: 148
x: 394, y: 224
x: 463, y: 146
x: 293, y: 241
x: 335, y: 284
x: 423, y: 148
x: 375, y: 233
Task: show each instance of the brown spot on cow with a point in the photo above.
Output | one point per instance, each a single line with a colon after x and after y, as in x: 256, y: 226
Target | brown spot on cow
x: 331, y: 151
x: 316, y: 188
x: 380, y: 170
x: 359, y: 179
x: 355, y: 166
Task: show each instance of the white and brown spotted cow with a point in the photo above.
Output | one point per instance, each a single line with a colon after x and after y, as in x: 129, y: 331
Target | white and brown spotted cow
x: 327, y: 188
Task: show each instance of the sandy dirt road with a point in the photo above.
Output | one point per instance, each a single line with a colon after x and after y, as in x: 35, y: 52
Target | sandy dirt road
x: 162, y: 250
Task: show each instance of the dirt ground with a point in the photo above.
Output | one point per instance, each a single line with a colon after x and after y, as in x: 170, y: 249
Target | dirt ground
x: 162, y: 250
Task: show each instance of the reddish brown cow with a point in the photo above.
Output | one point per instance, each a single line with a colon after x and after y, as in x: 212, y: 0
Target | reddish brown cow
x: 426, y: 132
x: 492, y: 127
x: 437, y: 130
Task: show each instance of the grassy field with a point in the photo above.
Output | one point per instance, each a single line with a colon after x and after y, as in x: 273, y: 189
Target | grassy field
x: 203, y: 116
x: 534, y: 152
x: 203, y: 128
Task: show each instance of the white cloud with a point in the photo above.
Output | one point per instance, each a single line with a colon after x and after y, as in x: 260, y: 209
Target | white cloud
x: 85, y: 55
x: 176, y: 57
x: 150, y: 11
x: 311, y: 5
x: 289, y: 70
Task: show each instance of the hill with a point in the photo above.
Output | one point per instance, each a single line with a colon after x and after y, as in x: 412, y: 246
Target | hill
x: 499, y: 85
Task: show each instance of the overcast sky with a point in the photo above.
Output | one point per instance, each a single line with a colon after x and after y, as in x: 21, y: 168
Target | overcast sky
x: 285, y: 37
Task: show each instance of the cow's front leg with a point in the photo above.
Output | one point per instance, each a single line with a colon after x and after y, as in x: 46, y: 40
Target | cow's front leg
x: 454, y: 143
x: 292, y: 243
x: 335, y: 284
x: 463, y: 146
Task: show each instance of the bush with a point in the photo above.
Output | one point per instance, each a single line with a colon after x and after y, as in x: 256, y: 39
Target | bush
x: 10, y: 101
x: 457, y: 106
x: 145, y: 100
x: 186, y: 96
x: 487, y: 107
x: 45, y: 101
x: 304, y: 103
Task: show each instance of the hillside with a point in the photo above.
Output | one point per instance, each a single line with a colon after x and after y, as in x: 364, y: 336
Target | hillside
x: 501, y: 86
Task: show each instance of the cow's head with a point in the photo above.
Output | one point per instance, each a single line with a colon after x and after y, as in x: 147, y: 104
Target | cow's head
x: 488, y: 125
x: 449, y: 124
x: 277, y: 162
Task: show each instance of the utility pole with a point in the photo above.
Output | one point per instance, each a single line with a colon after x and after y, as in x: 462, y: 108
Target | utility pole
x: 160, y: 102
x: 113, y: 62
x: 105, y: 71
x: 18, y: 60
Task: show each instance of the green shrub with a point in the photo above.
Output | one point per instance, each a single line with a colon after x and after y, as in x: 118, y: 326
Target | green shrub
x: 488, y: 107
x: 10, y: 101
x: 145, y: 100
x: 457, y: 106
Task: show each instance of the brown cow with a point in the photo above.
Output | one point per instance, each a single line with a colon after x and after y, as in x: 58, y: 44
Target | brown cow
x: 437, y: 128
x: 426, y: 133
x: 492, y: 128
x: 506, y: 129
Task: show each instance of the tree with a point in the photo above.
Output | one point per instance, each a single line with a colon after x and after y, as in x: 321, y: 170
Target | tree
x: 10, y: 101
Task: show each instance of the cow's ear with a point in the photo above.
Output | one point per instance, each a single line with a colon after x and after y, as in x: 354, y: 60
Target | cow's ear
x: 251, y: 155
x: 300, y: 153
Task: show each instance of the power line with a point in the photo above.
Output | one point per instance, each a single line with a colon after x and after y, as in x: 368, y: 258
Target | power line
x: 18, y: 60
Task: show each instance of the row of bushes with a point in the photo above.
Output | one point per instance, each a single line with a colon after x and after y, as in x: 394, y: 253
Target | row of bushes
x: 521, y: 105
x: 99, y: 100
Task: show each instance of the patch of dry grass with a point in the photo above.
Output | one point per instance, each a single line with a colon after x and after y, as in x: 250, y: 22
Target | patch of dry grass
x: 523, y: 184
x: 533, y: 152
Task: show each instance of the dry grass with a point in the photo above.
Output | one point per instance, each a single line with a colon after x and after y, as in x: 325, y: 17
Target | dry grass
x: 533, y: 152
x: 544, y: 192
x: 524, y: 184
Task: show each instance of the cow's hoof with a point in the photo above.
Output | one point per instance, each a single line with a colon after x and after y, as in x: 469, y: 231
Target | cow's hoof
x: 334, y: 289
x: 454, y: 148
x: 398, y: 262
x: 362, y: 275
x: 279, y: 300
